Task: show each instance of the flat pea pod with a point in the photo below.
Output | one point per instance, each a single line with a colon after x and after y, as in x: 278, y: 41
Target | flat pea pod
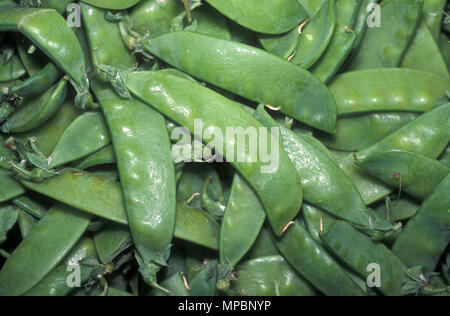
x: 445, y: 157
x: 104, y: 156
x: 361, y: 19
x: 427, y: 135
x: 280, y: 45
x: 35, y: 24
x: 11, y: 70
x: 424, y: 54
x: 8, y: 218
x: 204, y: 283
x: 300, y: 95
x: 36, y: 112
x: 112, y: 5
x: 43, y: 249
x: 9, y: 187
x: 397, y: 209
x: 87, y: 134
x: 427, y: 234
x: 26, y: 223
x: 311, y: 6
x: 358, y: 251
x: 31, y: 207
x: 162, y: 92
x: 384, y: 47
x: 58, y: 5
x: 241, y: 224
x: 275, y: 277
x: 112, y: 240
x: 55, y: 283
x: 175, y: 284
x: 316, y: 36
x: 387, y: 90
x: 324, y: 184
x: 263, y: 16
x: 39, y: 83
x: 444, y: 45
x: 263, y: 246
x: 359, y: 131
x: 315, y: 264
x: 211, y: 22
x: 415, y: 174
x: 316, y: 221
x: 433, y: 13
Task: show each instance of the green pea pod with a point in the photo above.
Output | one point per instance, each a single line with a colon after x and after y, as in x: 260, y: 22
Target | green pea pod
x: 31, y: 207
x: 251, y: 73
x: 9, y: 187
x: 444, y: 45
x: 427, y: 135
x: 161, y: 91
x: 26, y: 223
x: 315, y: 264
x: 280, y: 45
x: 275, y: 278
x: 359, y: 131
x: 342, y: 42
x: 211, y: 22
x: 204, y: 283
x: 241, y: 224
x: 87, y: 134
x: 44, y: 248
x: 39, y: 26
x: 33, y: 63
x: 361, y: 19
x: 55, y: 283
x: 415, y: 174
x: 117, y: 293
x: 388, y: 90
x: 311, y: 6
x: 58, y: 5
x: 39, y: 83
x: 111, y: 241
x: 263, y: 16
x: 208, y: 233
x: 104, y: 156
x: 324, y: 184
x: 384, y: 46
x: 360, y: 253
x: 36, y: 112
x: 263, y: 246
x: 433, y: 13
x: 424, y: 54
x: 445, y: 157
x: 175, y: 284
x: 11, y: 70
x: 395, y: 209
x: 8, y: 218
x: 316, y: 36
x: 112, y: 5
x: 316, y: 221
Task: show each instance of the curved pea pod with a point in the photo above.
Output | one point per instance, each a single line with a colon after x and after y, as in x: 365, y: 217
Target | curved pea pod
x: 416, y: 174
x: 324, y: 184
x: 427, y: 234
x: 387, y: 90
x: 87, y: 134
x: 58, y: 5
x: 359, y: 252
x: 263, y: 246
x: 360, y: 26
x: 264, y: 16
x: 251, y: 73
x: 39, y: 26
x: 33, y: 63
x: 359, y: 131
x: 316, y: 36
x: 175, y: 284
x: 162, y: 92
x: 211, y: 22
x: 241, y: 224
x: 112, y: 240
x: 274, y: 277
x: 104, y: 156
x: 35, y: 113
x: 444, y: 46
x: 433, y: 13
x: 427, y: 135
x: 384, y: 46
x: 43, y: 249
x: 204, y: 283
x: 9, y: 187
x: 55, y: 283
x: 395, y: 209
x: 112, y: 5
x: 206, y: 232
x: 11, y: 70
x: 282, y: 45
x: 424, y: 54
x: 311, y: 6
x: 316, y: 221
x: 39, y: 83
x: 315, y: 264
x: 8, y: 218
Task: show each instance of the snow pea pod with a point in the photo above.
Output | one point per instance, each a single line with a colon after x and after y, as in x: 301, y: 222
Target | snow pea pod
x: 55, y: 283
x: 280, y: 45
x: 9, y: 187
x: 39, y: 83
x: 445, y: 157
x: 11, y: 70
x: 444, y: 46
x: 388, y: 90
x: 112, y: 5
x: 311, y: 6
x: 58, y: 5
x: 427, y: 234
x: 424, y: 54
x: 112, y: 240
x: 211, y: 22
x: 162, y: 92
x: 316, y: 36
x: 427, y: 135
x: 368, y: 127
x: 384, y: 47
x: 315, y: 264
x: 275, y: 277
x: 358, y: 251
x: 324, y: 184
x: 26, y: 223
x: 360, y: 26
x: 416, y: 174
x: 263, y: 246
x: 104, y: 156
x: 250, y: 73
x: 87, y: 134
x: 8, y: 218
x: 263, y: 16
x: 397, y: 210
x: 433, y: 13
x: 33, y: 63
x: 316, y: 221
x: 175, y: 284
x: 204, y: 283
x: 36, y: 112
x: 241, y: 224
x: 44, y: 248
x: 31, y: 207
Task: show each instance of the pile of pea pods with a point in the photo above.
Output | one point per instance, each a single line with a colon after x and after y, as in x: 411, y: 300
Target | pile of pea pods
x: 96, y: 199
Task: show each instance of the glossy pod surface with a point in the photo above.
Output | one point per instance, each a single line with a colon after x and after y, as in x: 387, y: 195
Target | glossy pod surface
x: 39, y: 83
x: 113, y: 5
x: 9, y: 187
